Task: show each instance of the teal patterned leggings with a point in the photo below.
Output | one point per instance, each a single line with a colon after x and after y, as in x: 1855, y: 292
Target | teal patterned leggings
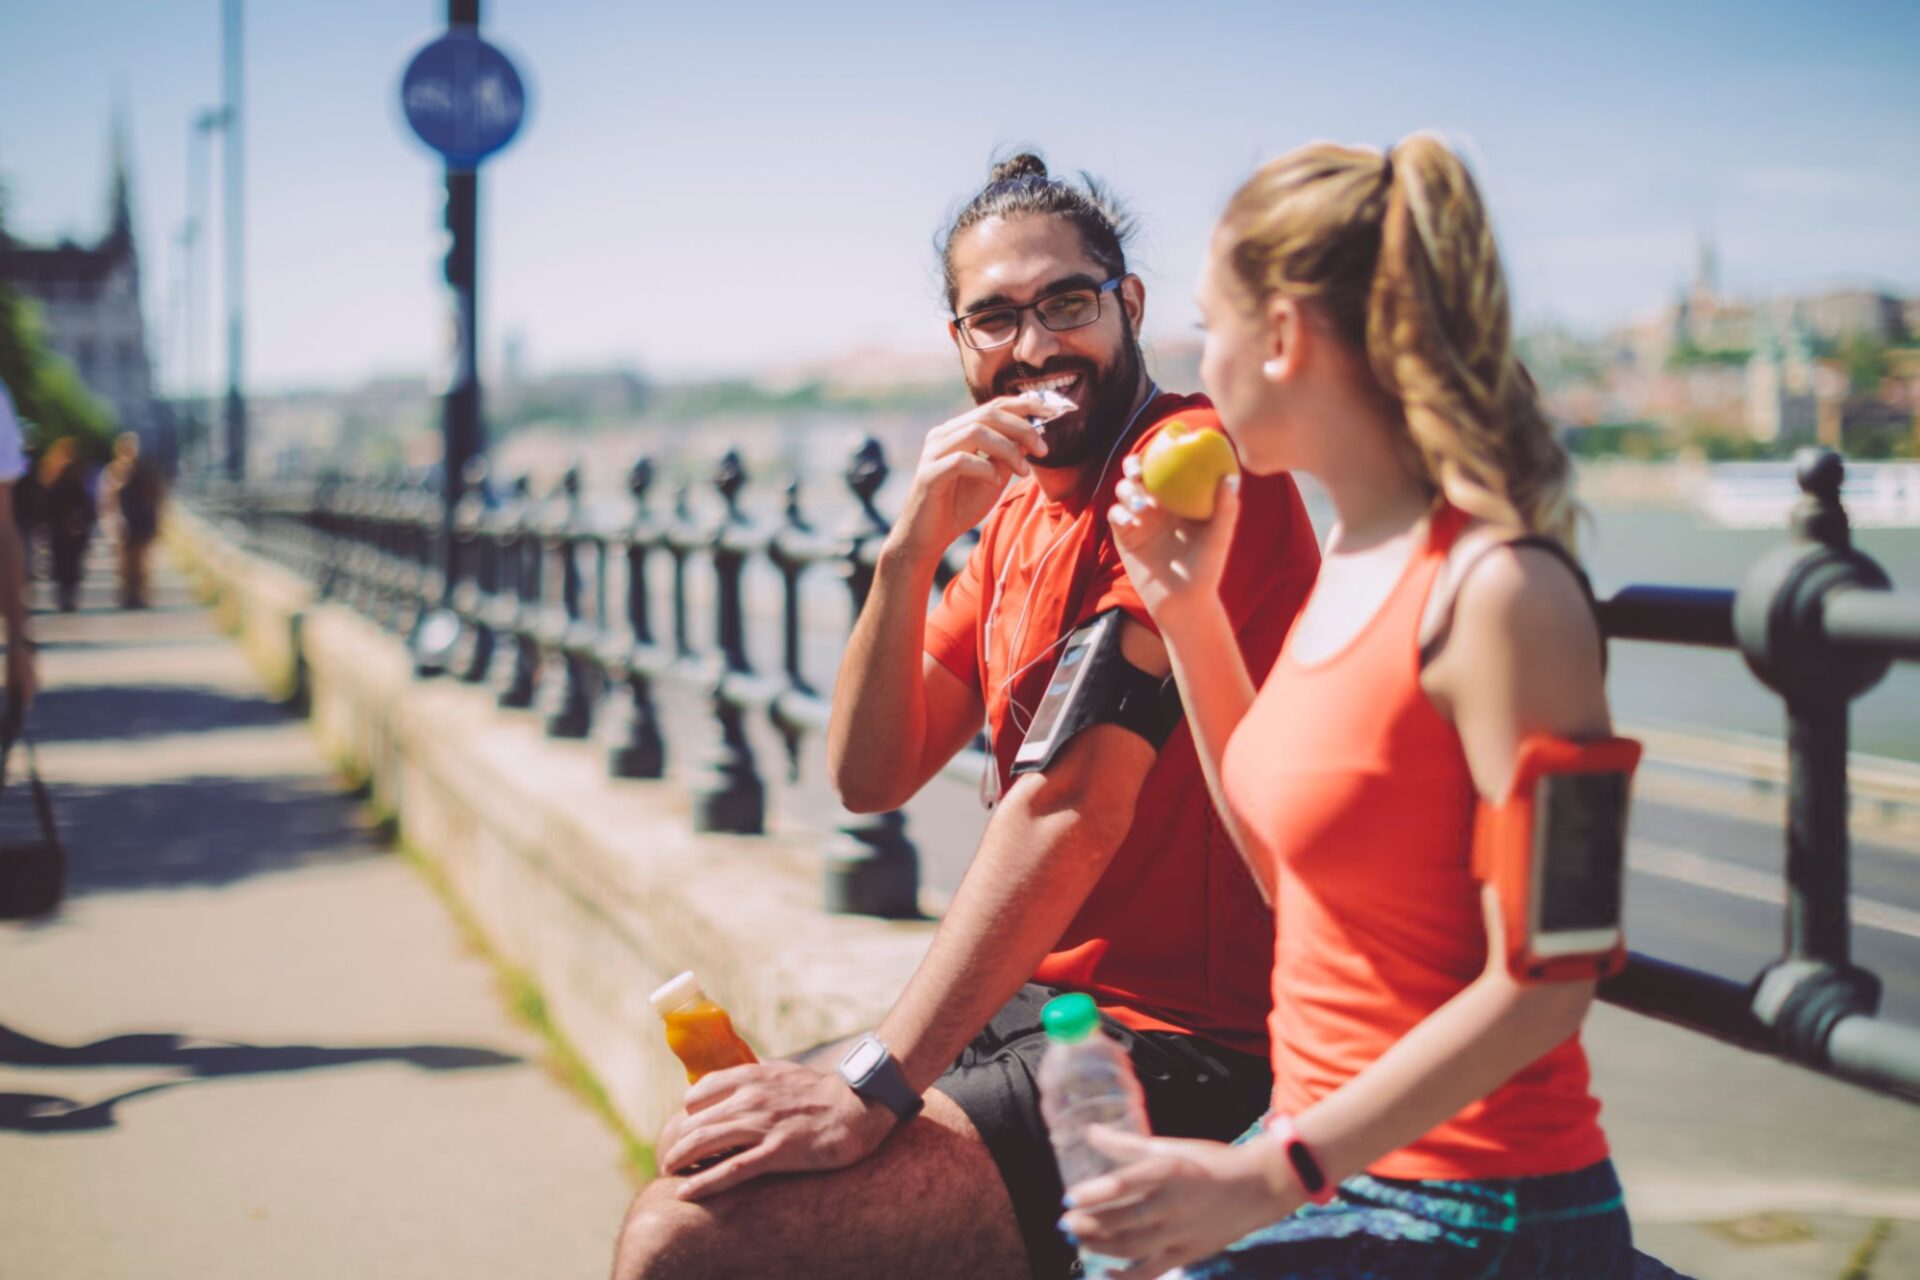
x: 1567, y: 1226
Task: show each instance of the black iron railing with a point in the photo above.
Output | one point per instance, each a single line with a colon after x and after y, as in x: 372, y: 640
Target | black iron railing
x: 555, y: 605
x: 1819, y: 624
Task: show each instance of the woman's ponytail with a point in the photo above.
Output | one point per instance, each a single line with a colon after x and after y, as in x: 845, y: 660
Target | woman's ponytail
x: 1400, y: 252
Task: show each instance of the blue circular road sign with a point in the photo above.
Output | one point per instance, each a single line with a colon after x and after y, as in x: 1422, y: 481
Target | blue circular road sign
x: 463, y: 98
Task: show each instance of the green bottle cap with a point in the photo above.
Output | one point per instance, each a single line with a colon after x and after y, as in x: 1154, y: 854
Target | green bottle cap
x: 1070, y: 1019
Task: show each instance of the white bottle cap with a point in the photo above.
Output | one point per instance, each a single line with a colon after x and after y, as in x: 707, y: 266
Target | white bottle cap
x: 675, y: 992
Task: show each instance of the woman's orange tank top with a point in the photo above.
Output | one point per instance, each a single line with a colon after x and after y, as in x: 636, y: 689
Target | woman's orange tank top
x: 1356, y: 791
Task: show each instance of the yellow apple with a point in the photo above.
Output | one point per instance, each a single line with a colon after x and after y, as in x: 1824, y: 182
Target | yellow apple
x: 1182, y: 467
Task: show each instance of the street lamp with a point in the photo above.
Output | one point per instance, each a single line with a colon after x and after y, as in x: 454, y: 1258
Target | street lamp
x: 231, y: 120
x: 204, y: 124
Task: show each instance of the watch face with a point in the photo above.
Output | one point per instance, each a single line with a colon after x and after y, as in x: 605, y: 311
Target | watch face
x: 862, y: 1059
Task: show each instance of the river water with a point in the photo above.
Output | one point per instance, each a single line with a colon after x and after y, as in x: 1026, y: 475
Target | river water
x: 1684, y: 686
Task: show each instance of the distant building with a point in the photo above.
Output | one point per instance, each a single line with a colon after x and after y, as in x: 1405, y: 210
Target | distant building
x: 1702, y: 322
x: 89, y: 296
x: 1833, y: 316
x: 1780, y: 388
x: 587, y: 395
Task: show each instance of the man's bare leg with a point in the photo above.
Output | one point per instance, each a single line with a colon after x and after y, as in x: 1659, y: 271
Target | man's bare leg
x: 928, y: 1204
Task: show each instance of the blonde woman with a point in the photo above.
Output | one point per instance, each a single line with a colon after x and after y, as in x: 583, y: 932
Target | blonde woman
x: 1357, y: 328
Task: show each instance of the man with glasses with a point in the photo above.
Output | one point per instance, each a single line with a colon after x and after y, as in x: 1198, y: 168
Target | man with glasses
x: 1103, y: 868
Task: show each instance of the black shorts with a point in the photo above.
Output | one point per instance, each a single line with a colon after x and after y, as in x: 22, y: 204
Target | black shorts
x: 1194, y: 1088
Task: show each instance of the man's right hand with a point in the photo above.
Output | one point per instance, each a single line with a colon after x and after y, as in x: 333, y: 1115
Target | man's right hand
x: 964, y: 467
x: 769, y: 1117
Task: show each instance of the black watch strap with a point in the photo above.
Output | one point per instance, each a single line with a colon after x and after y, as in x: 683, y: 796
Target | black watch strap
x: 870, y: 1070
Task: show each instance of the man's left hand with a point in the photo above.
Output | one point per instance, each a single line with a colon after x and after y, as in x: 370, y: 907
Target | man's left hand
x: 1175, y: 1201
x: 772, y: 1117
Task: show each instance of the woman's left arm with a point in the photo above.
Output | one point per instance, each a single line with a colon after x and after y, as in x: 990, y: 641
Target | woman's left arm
x: 1523, y: 657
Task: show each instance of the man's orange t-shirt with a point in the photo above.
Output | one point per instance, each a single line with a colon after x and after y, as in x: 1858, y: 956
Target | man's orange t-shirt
x: 1174, y: 936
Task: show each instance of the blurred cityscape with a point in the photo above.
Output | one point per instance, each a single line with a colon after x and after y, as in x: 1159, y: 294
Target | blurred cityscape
x: 1702, y: 375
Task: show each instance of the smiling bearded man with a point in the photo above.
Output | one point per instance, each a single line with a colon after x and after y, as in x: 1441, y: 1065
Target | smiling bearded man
x: 1103, y: 867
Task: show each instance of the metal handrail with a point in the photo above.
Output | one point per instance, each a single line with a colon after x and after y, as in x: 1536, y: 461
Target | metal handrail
x: 556, y: 605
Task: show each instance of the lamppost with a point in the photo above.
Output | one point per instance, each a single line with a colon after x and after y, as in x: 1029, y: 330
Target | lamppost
x: 236, y: 265
x: 199, y: 134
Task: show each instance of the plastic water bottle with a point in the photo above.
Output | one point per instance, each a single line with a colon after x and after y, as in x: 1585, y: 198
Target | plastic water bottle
x: 1086, y: 1079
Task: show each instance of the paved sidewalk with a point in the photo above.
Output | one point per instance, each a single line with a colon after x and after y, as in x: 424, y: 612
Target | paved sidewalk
x: 253, y: 1044
x: 1740, y: 1167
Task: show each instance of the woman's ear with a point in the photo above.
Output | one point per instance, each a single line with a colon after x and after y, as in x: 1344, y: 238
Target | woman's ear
x: 1287, y: 339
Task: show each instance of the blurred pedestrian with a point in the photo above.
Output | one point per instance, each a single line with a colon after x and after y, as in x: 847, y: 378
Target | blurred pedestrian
x: 69, y: 510
x: 135, y: 491
x: 13, y: 561
x: 29, y: 516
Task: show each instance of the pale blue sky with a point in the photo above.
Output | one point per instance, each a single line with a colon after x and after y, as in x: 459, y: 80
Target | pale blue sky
x: 725, y: 186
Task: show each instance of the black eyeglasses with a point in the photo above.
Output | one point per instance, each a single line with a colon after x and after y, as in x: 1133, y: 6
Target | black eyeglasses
x: 997, y: 326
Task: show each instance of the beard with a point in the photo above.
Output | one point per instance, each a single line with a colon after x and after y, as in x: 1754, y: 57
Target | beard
x: 1075, y: 438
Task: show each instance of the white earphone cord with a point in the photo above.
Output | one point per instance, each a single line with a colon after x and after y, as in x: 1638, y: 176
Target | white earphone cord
x: 1017, y: 711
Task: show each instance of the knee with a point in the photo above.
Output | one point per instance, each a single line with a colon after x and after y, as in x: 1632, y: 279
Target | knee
x: 664, y: 1237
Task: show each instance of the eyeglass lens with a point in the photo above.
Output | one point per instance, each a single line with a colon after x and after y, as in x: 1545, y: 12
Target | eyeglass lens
x: 1061, y: 311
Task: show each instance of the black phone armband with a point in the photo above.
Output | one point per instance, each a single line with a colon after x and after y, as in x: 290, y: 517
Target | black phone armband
x: 1093, y: 683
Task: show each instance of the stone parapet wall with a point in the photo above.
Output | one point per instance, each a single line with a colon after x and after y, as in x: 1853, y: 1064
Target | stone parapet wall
x: 598, y: 888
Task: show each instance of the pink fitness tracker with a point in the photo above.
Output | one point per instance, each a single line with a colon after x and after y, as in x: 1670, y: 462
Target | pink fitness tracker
x: 1313, y: 1179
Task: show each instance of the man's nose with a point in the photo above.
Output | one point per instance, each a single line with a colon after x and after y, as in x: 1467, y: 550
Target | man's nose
x: 1035, y: 344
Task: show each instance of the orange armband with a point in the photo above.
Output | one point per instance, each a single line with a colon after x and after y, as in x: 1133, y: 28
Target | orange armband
x: 1555, y: 853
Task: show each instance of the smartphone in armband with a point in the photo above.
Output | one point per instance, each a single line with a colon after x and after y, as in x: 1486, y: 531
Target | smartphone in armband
x: 1555, y: 853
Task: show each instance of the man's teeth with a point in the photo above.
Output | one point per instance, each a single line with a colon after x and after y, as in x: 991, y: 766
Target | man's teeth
x: 1048, y: 384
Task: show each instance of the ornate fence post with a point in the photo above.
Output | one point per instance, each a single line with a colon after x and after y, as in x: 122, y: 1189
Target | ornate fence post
x: 474, y: 597
x: 443, y: 554
x: 522, y: 677
x: 791, y: 550
x: 728, y: 793
x: 680, y: 544
x: 873, y: 867
x: 1778, y: 621
x: 568, y: 692
x: 634, y: 656
x: 348, y: 521
x: 382, y: 554
x: 412, y: 576
x: 328, y: 547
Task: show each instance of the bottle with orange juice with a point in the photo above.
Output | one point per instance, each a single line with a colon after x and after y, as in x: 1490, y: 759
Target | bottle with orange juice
x: 699, y: 1031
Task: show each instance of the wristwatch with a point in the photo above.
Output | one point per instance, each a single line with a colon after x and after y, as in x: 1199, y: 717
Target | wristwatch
x: 1306, y: 1166
x: 870, y: 1071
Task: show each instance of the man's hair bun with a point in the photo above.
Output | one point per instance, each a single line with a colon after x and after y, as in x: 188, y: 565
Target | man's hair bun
x: 1024, y: 165
x: 1021, y: 187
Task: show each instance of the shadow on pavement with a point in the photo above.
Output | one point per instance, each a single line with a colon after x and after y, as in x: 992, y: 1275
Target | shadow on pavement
x: 132, y: 640
x: 199, y: 831
x: 203, y: 1060
x: 78, y: 713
